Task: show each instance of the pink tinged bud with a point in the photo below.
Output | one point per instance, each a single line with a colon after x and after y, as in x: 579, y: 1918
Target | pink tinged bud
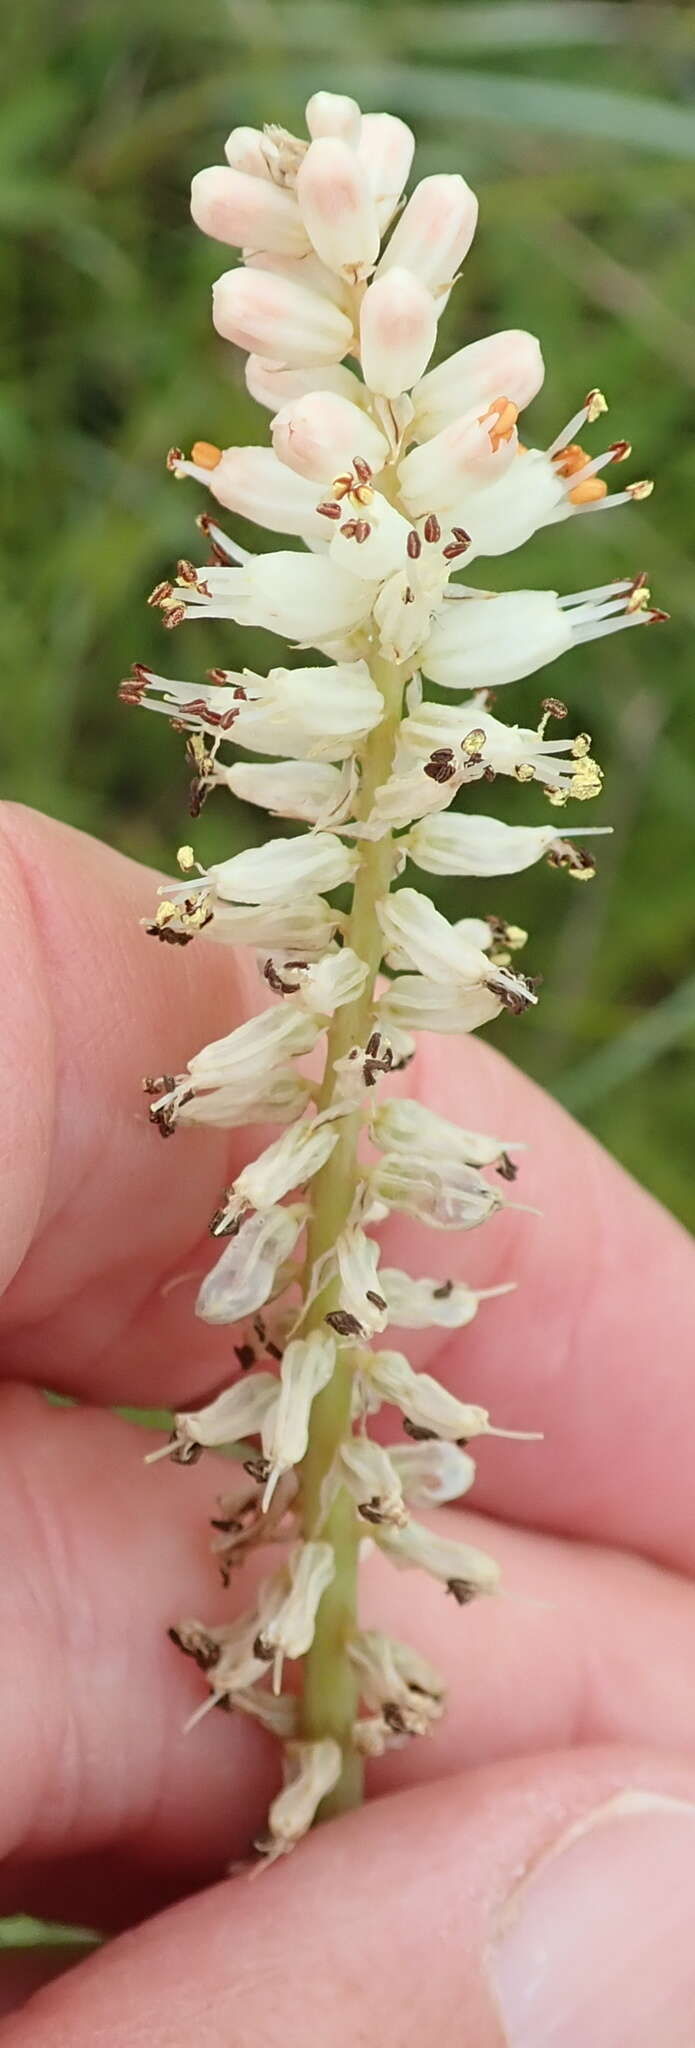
x: 474, y: 376
x: 398, y: 330
x: 273, y: 316
x: 337, y: 208
x: 332, y: 113
x: 252, y: 482
x: 248, y: 212
x: 319, y: 436
x: 435, y: 232
x: 385, y: 150
x: 246, y: 149
x: 273, y: 386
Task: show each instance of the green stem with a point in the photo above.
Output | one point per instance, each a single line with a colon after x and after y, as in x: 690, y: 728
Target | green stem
x: 330, y: 1696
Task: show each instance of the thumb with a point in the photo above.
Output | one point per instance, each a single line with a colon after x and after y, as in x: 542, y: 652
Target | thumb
x: 545, y: 1904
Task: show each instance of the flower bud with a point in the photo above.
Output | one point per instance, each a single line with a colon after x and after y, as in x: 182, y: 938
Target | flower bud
x: 273, y: 316
x: 249, y: 150
x: 337, y: 208
x: 252, y: 1267
x: 333, y: 113
x: 474, y: 376
x: 398, y: 330
x: 247, y: 211
x: 385, y: 150
x: 321, y: 435
x: 274, y: 386
x: 434, y: 232
x: 310, y: 790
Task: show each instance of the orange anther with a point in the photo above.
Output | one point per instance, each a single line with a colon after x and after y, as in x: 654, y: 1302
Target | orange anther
x: 205, y: 454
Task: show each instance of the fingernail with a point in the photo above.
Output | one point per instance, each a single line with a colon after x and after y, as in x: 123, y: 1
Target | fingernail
x: 597, y: 1945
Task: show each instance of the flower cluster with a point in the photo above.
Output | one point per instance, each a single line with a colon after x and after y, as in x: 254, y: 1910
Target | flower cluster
x: 395, y: 476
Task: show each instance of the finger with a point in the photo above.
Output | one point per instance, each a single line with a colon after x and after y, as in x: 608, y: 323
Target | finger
x: 594, y: 1348
x: 24, y: 1970
x: 541, y: 1905
x: 103, y: 1554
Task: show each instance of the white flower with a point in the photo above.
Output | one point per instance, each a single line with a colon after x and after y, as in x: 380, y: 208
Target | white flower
x: 366, y: 1469
x: 289, y: 1162
x: 432, y: 1473
x: 273, y: 316
x: 312, y: 1770
x: 361, y: 1299
x: 290, y: 1629
x: 249, y: 1056
x: 324, y: 986
x: 448, y: 1196
x: 434, y: 232
x: 281, y: 1099
x: 419, y: 1304
x: 479, y: 643
x: 464, y: 1571
x: 565, y: 768
x: 424, y: 939
x: 225, y: 1654
x: 337, y: 208
x: 406, y: 1690
x: 398, y: 330
x: 252, y: 482
x: 462, y: 845
x: 428, y: 1407
x: 473, y: 377
x: 398, y: 1125
x: 239, y: 1412
x: 300, y: 596
x: 253, y: 1266
x: 310, y: 790
x: 277, y: 870
x: 414, y: 1003
x: 308, y: 712
x: 307, y: 1366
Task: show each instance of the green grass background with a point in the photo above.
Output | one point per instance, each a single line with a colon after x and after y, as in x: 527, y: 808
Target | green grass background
x: 575, y: 123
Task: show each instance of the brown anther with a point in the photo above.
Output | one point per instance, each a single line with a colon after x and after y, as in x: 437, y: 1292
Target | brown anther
x: 362, y: 531
x: 194, y: 1642
x: 159, y: 595
x: 576, y: 861
x: 656, y: 618
x: 174, y: 615
x: 441, y: 765
x: 131, y: 690
x: 413, y: 545
x: 362, y: 469
x: 158, y: 1084
x: 331, y: 509
x: 554, y: 707
x: 371, y: 1510
x: 246, y: 1356
x: 507, y: 1168
x: 408, y: 595
x: 377, y: 1300
x: 276, y: 981
x: 432, y: 529
x: 344, y: 1324
x: 462, y: 1592
x: 418, y: 1434
x: 263, y: 1650
x: 442, y: 1293
x: 273, y: 1351
x: 258, y: 1469
x: 620, y: 450
x: 206, y: 454
x: 168, y: 935
x: 187, y: 573
x: 349, y: 530
x: 174, y: 457
x: 595, y: 404
x: 458, y: 546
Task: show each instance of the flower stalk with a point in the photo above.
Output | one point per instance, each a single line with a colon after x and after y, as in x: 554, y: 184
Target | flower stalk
x: 395, y: 477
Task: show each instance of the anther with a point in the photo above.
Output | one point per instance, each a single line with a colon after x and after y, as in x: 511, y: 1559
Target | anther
x: 413, y: 545
x: 432, y: 529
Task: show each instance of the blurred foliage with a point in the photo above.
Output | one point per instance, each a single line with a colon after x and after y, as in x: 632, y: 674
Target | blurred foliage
x: 575, y: 123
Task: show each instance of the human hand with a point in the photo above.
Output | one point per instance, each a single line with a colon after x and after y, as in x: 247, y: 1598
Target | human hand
x: 529, y: 1875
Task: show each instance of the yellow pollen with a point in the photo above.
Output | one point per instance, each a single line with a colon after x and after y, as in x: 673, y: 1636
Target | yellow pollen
x: 505, y: 413
x: 589, y: 492
x: 186, y: 859
x: 640, y: 599
x: 205, y: 454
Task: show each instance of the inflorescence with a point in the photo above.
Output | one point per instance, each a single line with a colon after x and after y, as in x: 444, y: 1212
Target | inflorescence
x: 395, y: 477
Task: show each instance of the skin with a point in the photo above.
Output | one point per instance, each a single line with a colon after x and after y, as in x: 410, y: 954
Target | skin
x: 577, y: 1683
